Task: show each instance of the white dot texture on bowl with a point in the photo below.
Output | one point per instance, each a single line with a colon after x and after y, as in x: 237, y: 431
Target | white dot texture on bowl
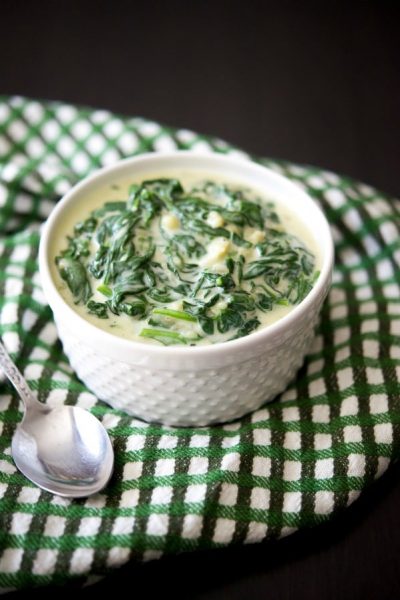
x: 192, y: 397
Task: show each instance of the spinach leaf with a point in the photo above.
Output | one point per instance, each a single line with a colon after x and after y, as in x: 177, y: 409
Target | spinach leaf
x: 77, y: 247
x: 115, y: 206
x: 247, y: 328
x: 74, y: 274
x: 164, y: 336
x: 88, y: 226
x: 97, y: 308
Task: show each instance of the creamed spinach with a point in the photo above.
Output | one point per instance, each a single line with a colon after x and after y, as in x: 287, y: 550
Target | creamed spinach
x: 187, y: 265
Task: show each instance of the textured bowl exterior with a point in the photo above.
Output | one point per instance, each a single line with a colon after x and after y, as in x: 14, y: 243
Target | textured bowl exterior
x: 182, y: 386
x: 194, y: 396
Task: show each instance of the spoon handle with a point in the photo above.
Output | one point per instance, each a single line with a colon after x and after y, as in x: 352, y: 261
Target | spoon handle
x: 15, y: 377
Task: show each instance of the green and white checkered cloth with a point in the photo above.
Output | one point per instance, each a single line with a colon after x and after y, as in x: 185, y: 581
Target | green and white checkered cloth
x: 289, y: 465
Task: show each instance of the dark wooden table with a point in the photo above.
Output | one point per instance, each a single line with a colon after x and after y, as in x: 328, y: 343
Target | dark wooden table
x: 315, y: 84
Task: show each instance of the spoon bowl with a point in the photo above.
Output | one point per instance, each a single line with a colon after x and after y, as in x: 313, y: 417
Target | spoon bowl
x: 64, y: 450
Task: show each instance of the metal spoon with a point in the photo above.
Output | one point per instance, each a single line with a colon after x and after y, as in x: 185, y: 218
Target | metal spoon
x: 64, y: 450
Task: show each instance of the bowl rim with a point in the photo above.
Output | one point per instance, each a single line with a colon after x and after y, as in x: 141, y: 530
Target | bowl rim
x: 124, y: 346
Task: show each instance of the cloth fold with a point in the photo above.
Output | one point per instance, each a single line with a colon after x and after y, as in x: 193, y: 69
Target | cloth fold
x: 292, y: 464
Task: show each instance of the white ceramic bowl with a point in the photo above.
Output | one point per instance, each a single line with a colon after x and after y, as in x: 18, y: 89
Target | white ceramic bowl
x: 178, y: 385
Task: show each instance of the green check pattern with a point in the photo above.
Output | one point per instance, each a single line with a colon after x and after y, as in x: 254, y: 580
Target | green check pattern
x: 292, y: 464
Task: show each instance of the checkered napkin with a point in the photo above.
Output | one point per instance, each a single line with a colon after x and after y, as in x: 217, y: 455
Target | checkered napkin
x: 292, y: 464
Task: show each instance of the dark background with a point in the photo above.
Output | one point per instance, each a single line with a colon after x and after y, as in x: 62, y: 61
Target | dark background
x: 310, y: 83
